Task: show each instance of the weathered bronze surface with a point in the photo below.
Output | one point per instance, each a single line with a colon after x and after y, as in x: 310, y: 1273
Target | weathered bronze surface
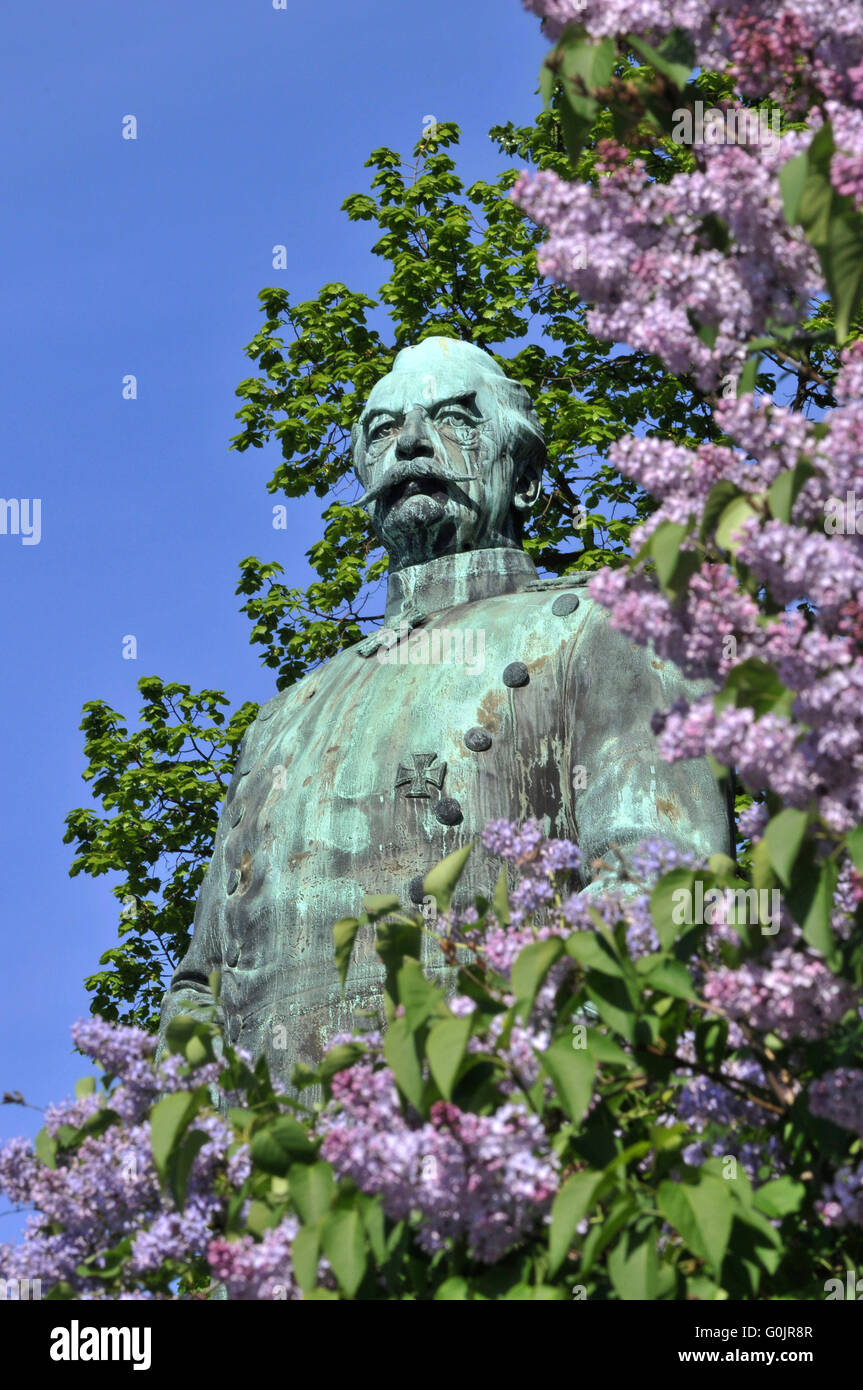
x: 488, y: 693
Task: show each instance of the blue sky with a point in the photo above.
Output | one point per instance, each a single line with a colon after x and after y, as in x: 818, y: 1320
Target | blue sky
x: 145, y: 257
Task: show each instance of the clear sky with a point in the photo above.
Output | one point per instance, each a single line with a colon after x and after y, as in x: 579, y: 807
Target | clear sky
x: 145, y: 257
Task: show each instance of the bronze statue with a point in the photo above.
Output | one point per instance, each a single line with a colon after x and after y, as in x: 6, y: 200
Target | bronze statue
x: 488, y: 693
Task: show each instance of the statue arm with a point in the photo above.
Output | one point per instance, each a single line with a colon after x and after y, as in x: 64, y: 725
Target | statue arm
x: 628, y: 794
x: 189, y: 991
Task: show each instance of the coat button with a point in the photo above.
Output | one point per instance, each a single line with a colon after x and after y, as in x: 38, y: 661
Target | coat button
x: 516, y: 674
x: 448, y: 811
x: 416, y: 892
x: 233, y: 881
x: 477, y: 740
x: 567, y: 603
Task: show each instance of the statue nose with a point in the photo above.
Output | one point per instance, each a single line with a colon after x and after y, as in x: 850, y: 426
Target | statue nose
x: 413, y: 440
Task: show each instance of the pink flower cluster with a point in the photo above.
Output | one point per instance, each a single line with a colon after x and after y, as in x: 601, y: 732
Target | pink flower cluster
x: 487, y: 1179
x: 791, y: 993
x: 107, y: 1188
x: 259, y: 1270
x: 639, y: 250
x: 771, y: 47
x: 642, y: 254
x: 815, y: 750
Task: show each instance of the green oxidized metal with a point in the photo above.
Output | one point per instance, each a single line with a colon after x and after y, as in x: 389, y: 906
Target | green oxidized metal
x: 488, y: 693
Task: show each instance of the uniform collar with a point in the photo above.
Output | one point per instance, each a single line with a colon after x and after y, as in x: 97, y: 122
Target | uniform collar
x: 448, y: 580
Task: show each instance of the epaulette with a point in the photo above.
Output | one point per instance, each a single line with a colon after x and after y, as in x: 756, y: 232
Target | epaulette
x: 414, y: 617
x: 561, y: 581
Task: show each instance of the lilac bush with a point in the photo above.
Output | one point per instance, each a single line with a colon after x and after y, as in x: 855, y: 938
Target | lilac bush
x: 482, y: 1142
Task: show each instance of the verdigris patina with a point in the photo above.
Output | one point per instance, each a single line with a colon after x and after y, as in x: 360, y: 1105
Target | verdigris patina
x: 488, y: 693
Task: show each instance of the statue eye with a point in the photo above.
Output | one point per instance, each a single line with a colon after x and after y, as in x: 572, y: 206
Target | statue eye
x: 378, y: 431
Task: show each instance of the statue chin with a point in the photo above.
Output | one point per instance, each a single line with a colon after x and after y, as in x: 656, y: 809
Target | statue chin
x: 412, y: 527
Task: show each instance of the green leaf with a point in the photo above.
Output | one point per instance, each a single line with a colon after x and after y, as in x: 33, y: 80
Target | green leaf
x: 305, y: 1253
x: 373, y: 1220
x: 584, y: 64
x: 530, y: 969
x: 607, y: 1051
x: 671, y: 977
x: 401, y: 1057
x: 842, y: 259
x: 710, y: 1041
x: 168, y: 1118
x: 667, y: 906
x: 593, y: 951
x: 377, y: 904
x: 733, y: 517
x: 572, y: 1070
x: 792, y: 180
x: 613, y: 1002
x: 570, y: 1206
x: 784, y: 836
x: 182, y: 1031
x: 393, y: 942
x: 338, y: 1058
x: 344, y: 1243
x: 755, y: 685
x: 420, y: 997
x: 453, y: 1290
x: 500, y: 899
x: 181, y: 1162
x: 275, y: 1148
x: 786, y: 488
x: 602, y: 1232
x: 547, y: 82
x: 816, y: 925
x: 85, y: 1086
x: 312, y: 1188
x: 45, y: 1149
x: 440, y: 882
x: 780, y: 1197
x: 665, y: 546
x: 702, y: 1212
x: 749, y: 375
x: 535, y: 1293
x: 633, y: 1265
x: 344, y: 935
x: 835, y: 229
x: 674, y: 57
x: 445, y: 1051
x: 718, y: 498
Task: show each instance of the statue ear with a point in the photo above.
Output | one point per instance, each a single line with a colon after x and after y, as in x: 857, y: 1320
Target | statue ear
x: 356, y: 451
x: 529, y: 486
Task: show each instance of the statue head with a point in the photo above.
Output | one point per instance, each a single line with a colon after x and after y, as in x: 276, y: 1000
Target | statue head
x: 450, y: 453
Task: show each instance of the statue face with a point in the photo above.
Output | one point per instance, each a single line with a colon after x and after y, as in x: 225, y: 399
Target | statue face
x: 431, y: 452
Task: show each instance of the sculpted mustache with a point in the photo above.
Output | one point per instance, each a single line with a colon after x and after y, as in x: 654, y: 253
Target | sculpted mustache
x: 405, y: 472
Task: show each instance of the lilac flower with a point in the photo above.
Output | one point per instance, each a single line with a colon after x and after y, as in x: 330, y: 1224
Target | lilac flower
x: 838, y: 1096
x: 793, y: 995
